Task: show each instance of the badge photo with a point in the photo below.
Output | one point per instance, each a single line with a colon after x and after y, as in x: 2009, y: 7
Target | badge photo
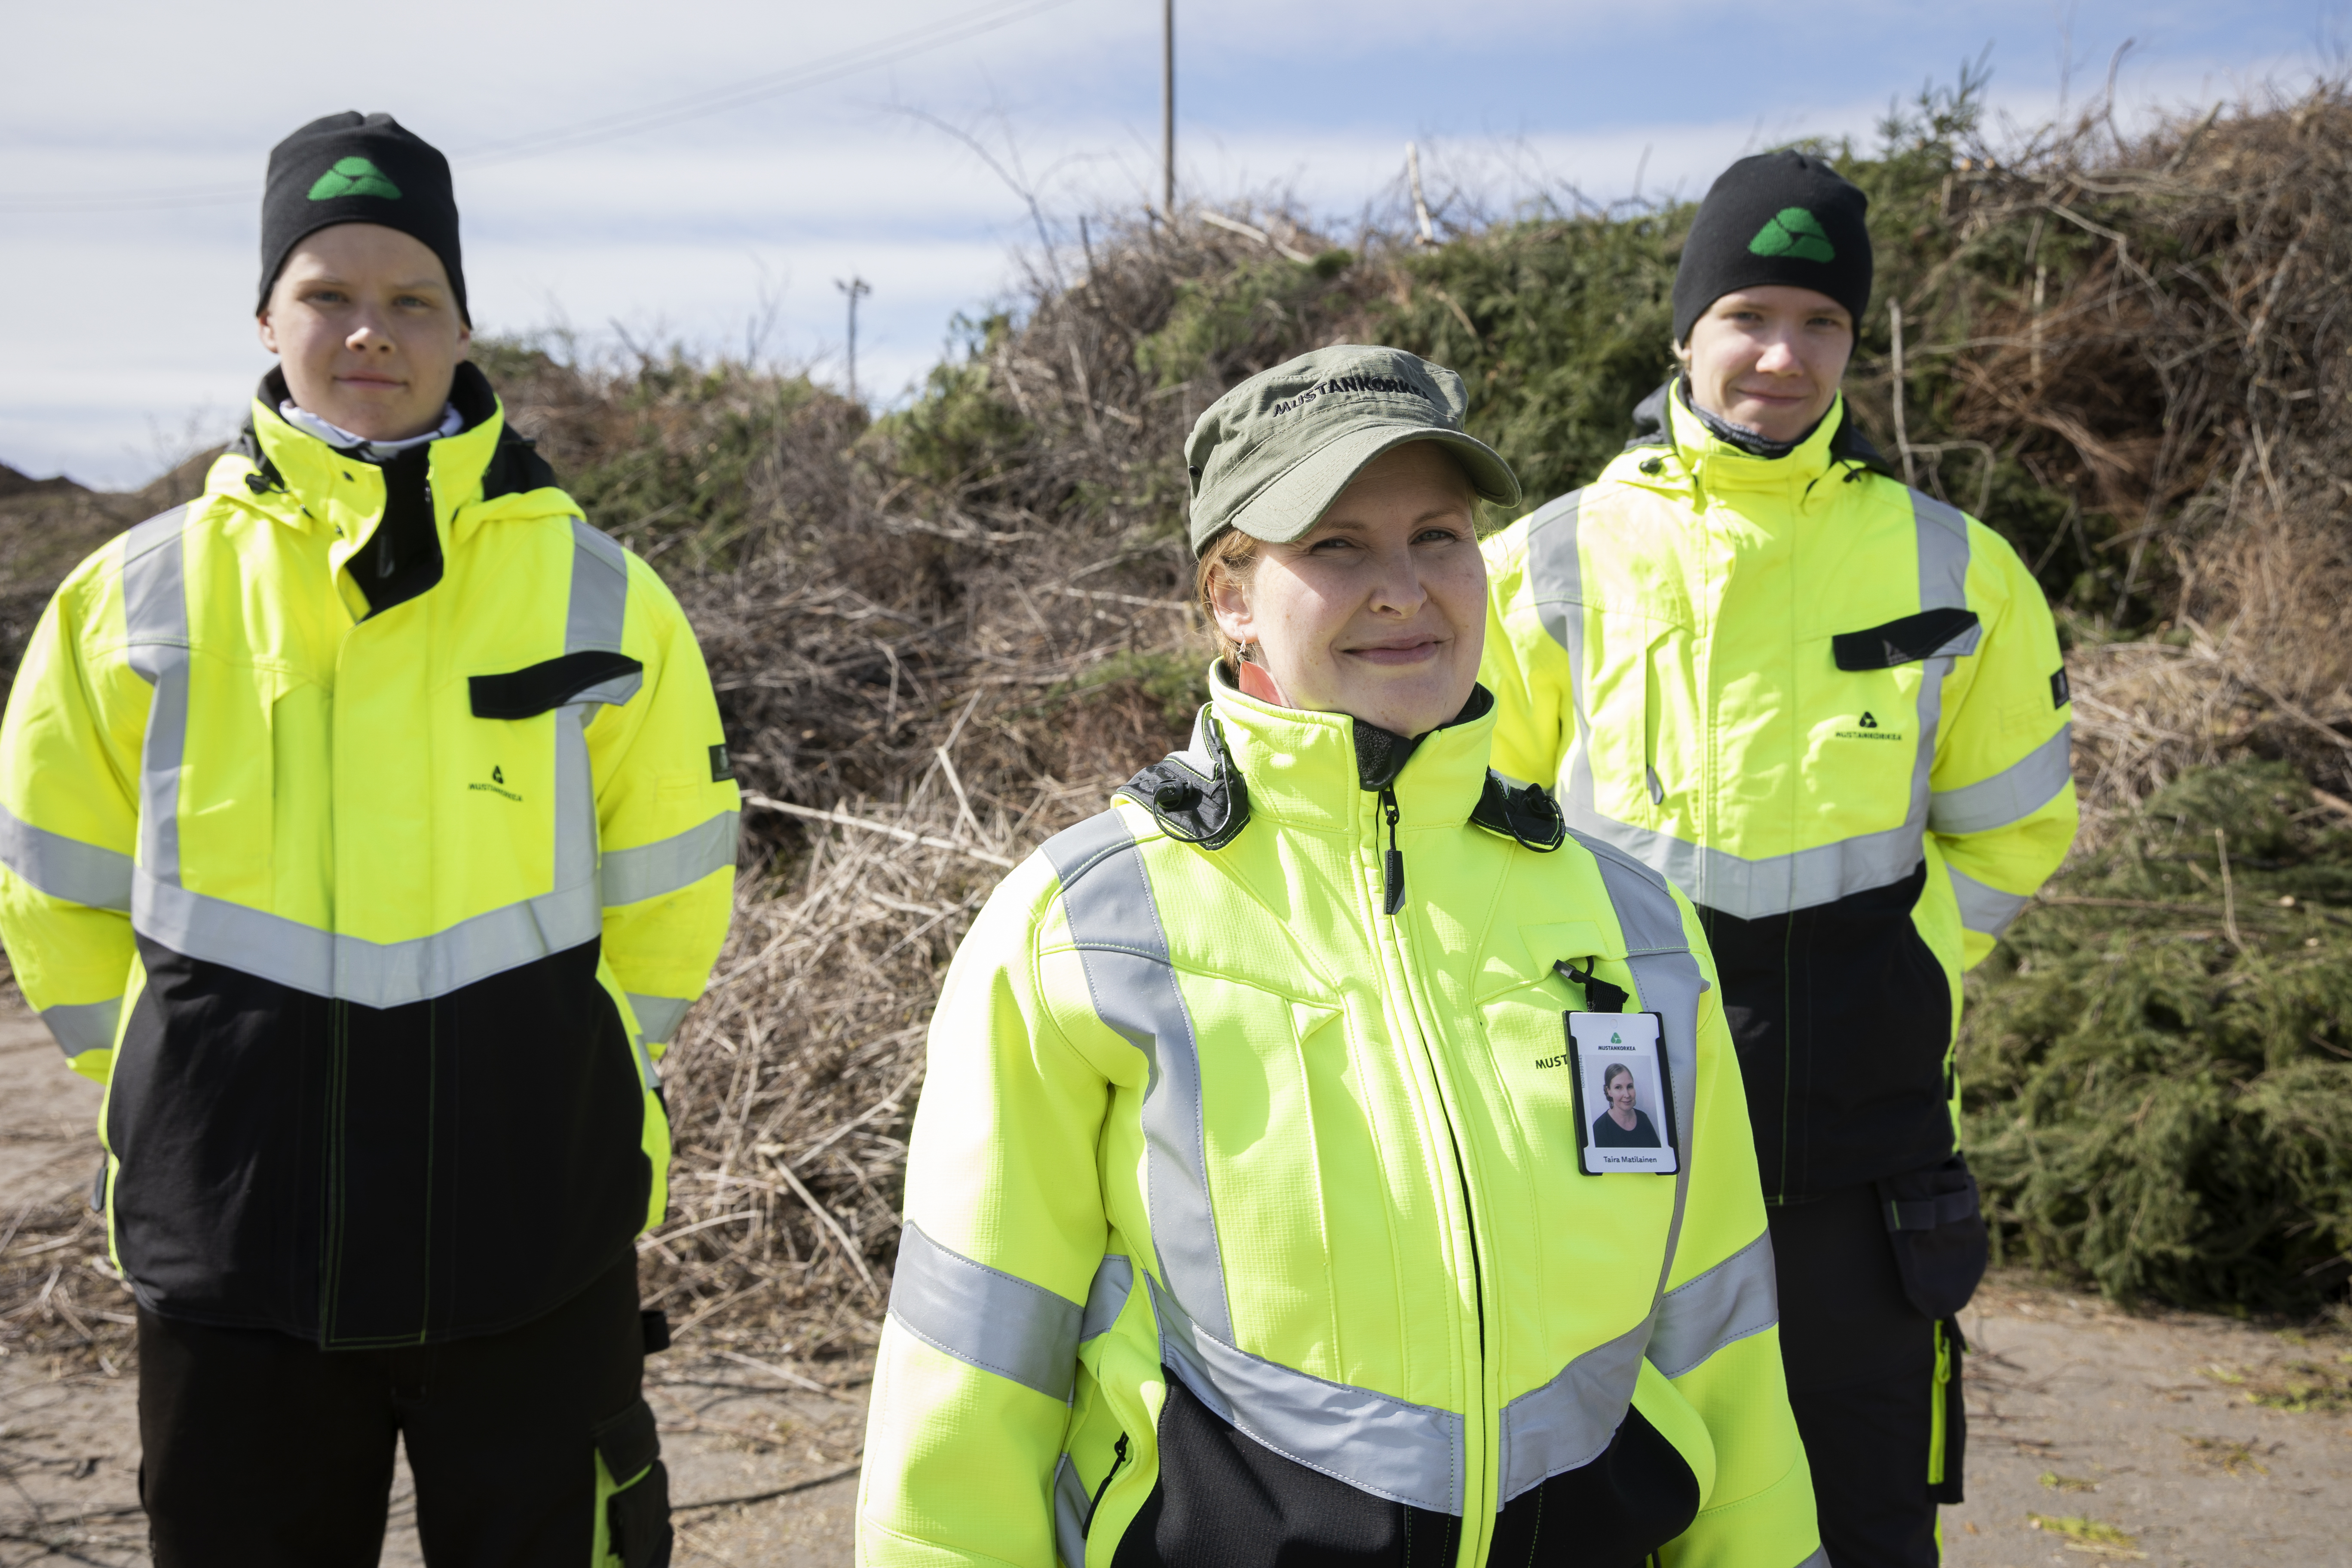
x: 1624, y: 1102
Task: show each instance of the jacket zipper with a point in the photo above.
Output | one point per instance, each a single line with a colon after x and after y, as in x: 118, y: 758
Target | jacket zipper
x: 1392, y: 863
x: 1117, y: 1461
x: 1393, y: 887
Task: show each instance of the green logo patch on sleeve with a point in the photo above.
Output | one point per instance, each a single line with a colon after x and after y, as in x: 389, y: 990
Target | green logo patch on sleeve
x: 1794, y: 231
x: 353, y: 177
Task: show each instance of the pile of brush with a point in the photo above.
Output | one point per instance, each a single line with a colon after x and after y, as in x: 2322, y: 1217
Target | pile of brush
x: 940, y: 636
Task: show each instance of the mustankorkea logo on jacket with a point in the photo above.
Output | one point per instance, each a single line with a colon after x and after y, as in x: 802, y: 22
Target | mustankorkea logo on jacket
x: 353, y: 176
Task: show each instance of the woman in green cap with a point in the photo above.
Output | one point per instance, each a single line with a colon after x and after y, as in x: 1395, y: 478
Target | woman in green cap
x: 1252, y: 1214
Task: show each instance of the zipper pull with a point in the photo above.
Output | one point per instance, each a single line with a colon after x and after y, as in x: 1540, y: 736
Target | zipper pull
x: 1118, y: 1458
x: 1392, y: 865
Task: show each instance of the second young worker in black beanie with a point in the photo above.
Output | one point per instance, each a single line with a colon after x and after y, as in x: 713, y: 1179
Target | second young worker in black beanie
x: 1832, y: 710
x: 433, y: 831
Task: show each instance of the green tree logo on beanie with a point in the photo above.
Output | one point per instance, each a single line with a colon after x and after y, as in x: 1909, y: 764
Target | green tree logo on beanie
x: 1793, y: 232
x: 358, y: 178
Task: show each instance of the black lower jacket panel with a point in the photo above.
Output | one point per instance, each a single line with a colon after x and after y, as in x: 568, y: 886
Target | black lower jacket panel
x: 1611, y: 1513
x: 1224, y: 1500
x: 1842, y: 1017
x: 373, y: 1176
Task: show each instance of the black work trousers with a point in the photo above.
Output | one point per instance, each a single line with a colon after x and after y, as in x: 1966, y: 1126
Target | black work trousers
x: 1878, y: 1417
x: 263, y: 1450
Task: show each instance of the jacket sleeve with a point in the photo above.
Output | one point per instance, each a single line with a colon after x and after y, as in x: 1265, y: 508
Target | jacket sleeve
x: 2001, y: 805
x: 667, y: 811
x: 1524, y: 667
x: 1717, y: 1340
x: 69, y: 815
x: 1004, y: 1230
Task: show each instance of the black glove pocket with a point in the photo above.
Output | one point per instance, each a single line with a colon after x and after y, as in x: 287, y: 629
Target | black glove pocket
x: 1937, y: 1226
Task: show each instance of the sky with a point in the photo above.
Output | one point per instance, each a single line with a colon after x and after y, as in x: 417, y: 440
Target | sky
x: 631, y: 175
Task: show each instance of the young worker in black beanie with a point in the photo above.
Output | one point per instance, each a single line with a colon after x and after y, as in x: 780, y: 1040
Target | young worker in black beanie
x: 366, y: 827
x: 1831, y: 710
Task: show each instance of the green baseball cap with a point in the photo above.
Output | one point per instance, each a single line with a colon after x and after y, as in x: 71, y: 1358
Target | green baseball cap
x: 1271, y: 456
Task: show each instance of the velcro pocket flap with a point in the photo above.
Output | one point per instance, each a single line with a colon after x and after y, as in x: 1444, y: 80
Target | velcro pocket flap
x: 594, y: 674
x: 1930, y: 634
x: 628, y: 1443
x: 1936, y: 1226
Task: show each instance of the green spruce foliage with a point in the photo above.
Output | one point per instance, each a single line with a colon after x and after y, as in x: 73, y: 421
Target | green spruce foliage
x: 2158, y: 1063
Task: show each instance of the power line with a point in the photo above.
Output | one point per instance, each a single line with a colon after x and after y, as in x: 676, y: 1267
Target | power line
x: 603, y: 127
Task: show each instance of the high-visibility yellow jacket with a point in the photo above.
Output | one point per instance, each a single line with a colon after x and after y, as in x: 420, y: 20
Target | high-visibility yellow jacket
x: 1244, y: 1221
x: 1831, y: 710
x: 371, y: 920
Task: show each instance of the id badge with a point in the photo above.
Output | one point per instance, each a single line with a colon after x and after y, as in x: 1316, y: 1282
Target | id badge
x: 1624, y: 1101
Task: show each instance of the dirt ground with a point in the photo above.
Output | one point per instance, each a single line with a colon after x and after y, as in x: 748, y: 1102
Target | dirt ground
x: 2092, y: 1433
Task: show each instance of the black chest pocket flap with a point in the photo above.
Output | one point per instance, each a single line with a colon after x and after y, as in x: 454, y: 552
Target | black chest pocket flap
x: 593, y: 676
x: 1930, y: 634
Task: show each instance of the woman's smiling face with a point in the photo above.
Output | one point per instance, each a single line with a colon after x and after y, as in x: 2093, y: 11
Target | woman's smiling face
x: 1380, y: 611
x: 1621, y: 1093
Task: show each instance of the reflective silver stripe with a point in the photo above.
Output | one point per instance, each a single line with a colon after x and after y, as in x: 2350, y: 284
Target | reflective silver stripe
x: 1943, y: 534
x: 1115, y: 926
x: 650, y: 870
x: 2012, y: 795
x: 324, y: 963
x: 1820, y: 1559
x: 1776, y: 884
x: 615, y: 691
x: 1565, y: 1424
x: 1106, y: 1297
x: 1984, y: 910
x: 1404, y: 1452
x: 1736, y: 1297
x: 374, y: 975
x: 648, y: 1075
x: 155, y: 626
x: 65, y: 867
x: 1962, y: 646
x: 1772, y: 885
x: 1568, y: 1422
x: 1071, y: 1506
x: 600, y: 592
x: 81, y: 1026
x: 984, y: 1317
x: 658, y: 1016
x: 1390, y: 1448
x: 1556, y: 577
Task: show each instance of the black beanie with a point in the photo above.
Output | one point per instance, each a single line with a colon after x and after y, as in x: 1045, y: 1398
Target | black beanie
x: 350, y: 168
x: 1777, y: 217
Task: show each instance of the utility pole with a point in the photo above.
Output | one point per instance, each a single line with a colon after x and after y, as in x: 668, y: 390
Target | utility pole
x: 854, y: 287
x: 1168, y: 109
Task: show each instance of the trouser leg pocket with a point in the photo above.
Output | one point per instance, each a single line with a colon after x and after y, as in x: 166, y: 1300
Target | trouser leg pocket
x: 632, y: 1492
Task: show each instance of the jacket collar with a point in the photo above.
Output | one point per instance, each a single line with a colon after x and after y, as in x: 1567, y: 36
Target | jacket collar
x: 483, y: 460
x: 1694, y: 454
x: 1314, y: 770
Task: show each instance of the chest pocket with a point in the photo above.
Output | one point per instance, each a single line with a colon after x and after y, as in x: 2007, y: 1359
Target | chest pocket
x: 593, y: 676
x: 1645, y: 716
x: 1948, y: 633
